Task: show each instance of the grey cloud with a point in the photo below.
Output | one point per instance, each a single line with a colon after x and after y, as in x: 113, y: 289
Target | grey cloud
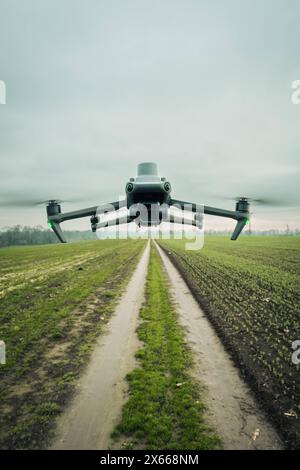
x: 201, y: 87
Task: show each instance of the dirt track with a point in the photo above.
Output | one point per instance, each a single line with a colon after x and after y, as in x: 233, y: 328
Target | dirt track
x: 232, y: 409
x: 96, y: 407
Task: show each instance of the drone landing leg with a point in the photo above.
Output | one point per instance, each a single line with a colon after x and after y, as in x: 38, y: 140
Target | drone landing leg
x: 238, y: 228
x: 58, y: 231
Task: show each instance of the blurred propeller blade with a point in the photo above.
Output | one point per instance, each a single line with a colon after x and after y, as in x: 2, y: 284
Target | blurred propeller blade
x: 32, y: 202
x: 265, y: 201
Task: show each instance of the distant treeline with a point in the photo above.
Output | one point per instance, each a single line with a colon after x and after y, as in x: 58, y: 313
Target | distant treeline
x: 271, y: 232
x: 19, y: 235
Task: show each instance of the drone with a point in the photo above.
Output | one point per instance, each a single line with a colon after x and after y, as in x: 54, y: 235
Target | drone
x: 148, y: 202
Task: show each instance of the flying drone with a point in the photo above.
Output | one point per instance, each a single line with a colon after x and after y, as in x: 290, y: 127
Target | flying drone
x: 148, y: 201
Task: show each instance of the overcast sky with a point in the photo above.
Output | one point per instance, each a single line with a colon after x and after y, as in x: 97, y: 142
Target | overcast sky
x: 202, y: 87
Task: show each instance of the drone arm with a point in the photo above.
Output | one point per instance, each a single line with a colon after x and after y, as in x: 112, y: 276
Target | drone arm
x: 192, y: 207
x: 222, y: 212
x: 54, y: 219
x: 75, y: 214
x: 90, y: 211
x: 124, y: 219
x: 173, y: 219
x: 241, y: 217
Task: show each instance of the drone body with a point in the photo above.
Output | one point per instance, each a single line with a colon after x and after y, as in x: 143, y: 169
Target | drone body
x: 148, y: 200
x: 147, y: 187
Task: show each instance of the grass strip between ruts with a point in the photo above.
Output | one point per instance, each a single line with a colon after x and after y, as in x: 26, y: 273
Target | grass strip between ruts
x: 164, y: 409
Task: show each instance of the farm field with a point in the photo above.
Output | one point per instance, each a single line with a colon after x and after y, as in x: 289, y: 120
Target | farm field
x: 250, y: 292
x: 55, y: 300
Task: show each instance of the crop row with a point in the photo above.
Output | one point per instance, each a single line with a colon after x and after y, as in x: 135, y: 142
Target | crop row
x: 250, y: 291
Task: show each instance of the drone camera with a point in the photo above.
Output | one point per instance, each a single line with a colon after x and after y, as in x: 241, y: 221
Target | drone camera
x: 167, y: 187
x: 129, y: 187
